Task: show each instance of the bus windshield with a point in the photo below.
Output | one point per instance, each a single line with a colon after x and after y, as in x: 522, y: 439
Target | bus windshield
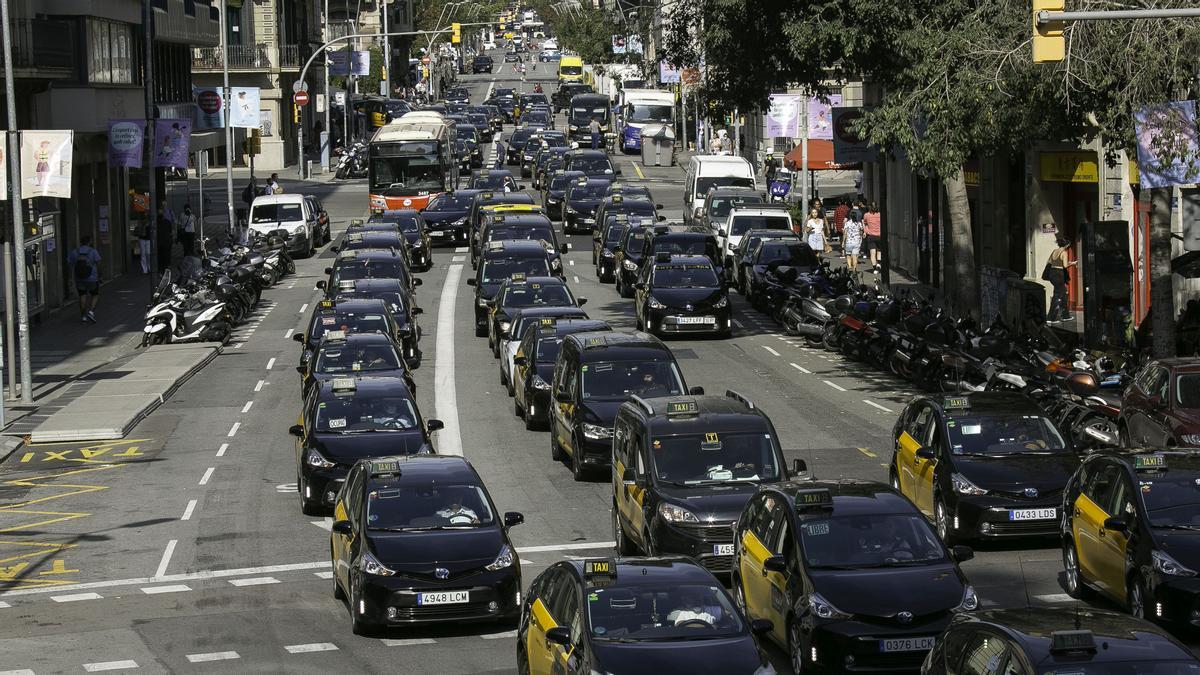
x: 641, y: 114
x: 411, y: 171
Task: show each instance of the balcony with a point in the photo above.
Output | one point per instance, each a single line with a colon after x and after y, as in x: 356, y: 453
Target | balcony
x: 292, y: 57
x: 43, y: 48
x: 190, y: 22
x: 242, y: 58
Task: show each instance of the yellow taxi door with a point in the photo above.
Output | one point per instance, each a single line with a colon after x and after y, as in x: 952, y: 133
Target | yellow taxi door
x: 538, y: 650
x: 563, y: 410
x: 634, y: 495
x: 1112, y: 543
x: 915, y: 473
x: 1087, y: 523
x: 340, y: 543
x: 781, y: 540
x: 754, y: 581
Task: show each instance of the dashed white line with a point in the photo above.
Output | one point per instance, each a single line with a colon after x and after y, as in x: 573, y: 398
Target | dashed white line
x: 570, y: 262
x: 773, y: 352
x: 234, y: 429
x: 23, y: 671
x: 458, y: 258
x: 445, y: 393
x: 128, y: 664
x: 873, y: 404
x: 271, y: 363
x: 213, y: 656
x: 221, y: 450
x: 738, y: 323
x: 461, y: 249
x: 407, y: 643
x: 166, y: 559
x: 246, y: 408
x: 207, y: 474
x: 576, y: 278
x: 187, y: 513
x: 288, y: 334
x: 4, y: 605
x: 583, y: 545
x: 801, y: 368
x: 75, y: 597
x: 499, y: 636
x: 173, y: 588
x: 259, y: 386
x: 254, y: 581
x: 311, y: 647
x: 302, y: 308
x: 834, y: 385
x: 327, y: 574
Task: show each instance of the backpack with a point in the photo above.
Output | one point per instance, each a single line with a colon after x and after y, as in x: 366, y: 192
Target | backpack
x: 83, y: 266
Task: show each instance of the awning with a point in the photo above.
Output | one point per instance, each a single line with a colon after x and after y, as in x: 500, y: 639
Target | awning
x: 820, y: 157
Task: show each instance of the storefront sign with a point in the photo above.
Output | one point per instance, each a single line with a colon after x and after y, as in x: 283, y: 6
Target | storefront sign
x: 1069, y: 167
x: 46, y: 161
x: 848, y: 148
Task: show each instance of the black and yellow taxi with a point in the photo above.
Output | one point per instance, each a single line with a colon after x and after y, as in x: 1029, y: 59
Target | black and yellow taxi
x: 418, y: 540
x: 492, y: 215
x: 345, y: 419
x: 343, y: 354
x: 399, y: 302
x: 1058, y: 641
x: 849, y: 573
x: 370, y: 263
x: 519, y: 291
x: 630, y: 204
x: 627, y: 259
x: 533, y: 362
x: 684, y: 468
x: 491, y: 198
x: 446, y: 217
x: 633, y: 616
x: 594, y: 374
x: 580, y: 202
x: 982, y: 465
x: 498, y: 180
x: 607, y: 238
x: 554, y: 187
x: 1131, y: 531
x: 412, y: 227
x: 530, y: 225
x: 501, y: 260
x: 522, y: 320
x: 682, y: 294
x: 358, y: 316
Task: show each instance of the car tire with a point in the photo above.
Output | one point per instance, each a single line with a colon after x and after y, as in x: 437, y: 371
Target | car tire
x: 578, y: 472
x: 517, y: 409
x: 739, y: 596
x: 1072, y: 577
x: 306, y: 506
x: 941, y: 521
x: 496, y: 350
x: 795, y: 648
x: 481, y: 331
x: 624, y: 545
x: 1137, y: 597
x: 531, y: 423
x: 522, y: 661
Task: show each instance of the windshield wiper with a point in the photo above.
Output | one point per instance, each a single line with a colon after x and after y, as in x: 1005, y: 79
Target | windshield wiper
x: 1189, y: 528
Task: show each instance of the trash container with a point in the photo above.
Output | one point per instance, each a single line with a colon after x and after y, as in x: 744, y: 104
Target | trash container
x: 658, y: 145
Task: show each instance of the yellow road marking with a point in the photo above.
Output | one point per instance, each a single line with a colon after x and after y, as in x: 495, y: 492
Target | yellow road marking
x: 637, y: 169
x: 868, y: 453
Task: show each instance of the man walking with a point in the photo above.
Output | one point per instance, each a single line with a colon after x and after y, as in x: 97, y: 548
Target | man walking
x: 187, y: 231
x: 273, y: 186
x: 594, y: 127
x: 166, y: 240
x: 85, y: 261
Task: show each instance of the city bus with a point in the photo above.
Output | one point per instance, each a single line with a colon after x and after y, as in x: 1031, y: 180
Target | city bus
x: 410, y: 161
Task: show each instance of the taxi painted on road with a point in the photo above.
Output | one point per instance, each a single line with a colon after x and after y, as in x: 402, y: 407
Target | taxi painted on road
x: 629, y: 616
x: 520, y: 291
x: 982, y: 465
x: 849, y: 573
x: 533, y: 363
x: 419, y: 540
x: 500, y: 261
x: 682, y: 294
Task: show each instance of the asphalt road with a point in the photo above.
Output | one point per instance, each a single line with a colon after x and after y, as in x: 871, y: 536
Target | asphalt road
x: 183, y: 549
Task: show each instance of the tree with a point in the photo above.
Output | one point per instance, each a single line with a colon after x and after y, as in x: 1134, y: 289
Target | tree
x: 584, y: 30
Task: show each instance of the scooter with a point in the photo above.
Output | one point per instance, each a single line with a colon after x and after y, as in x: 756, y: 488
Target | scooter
x: 175, y: 316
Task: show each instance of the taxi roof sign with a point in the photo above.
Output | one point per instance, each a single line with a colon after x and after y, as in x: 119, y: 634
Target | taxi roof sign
x: 815, y: 497
x: 662, y: 256
x: 1072, y: 641
x: 1149, y: 462
x: 487, y: 195
x: 600, y: 568
x: 339, y: 384
x: 682, y: 408
x: 548, y: 320
x: 495, y: 245
x: 594, y: 342
x: 617, y: 199
x: 356, y: 222
x: 517, y: 277
x: 956, y: 403
x: 347, y: 284
x: 335, y: 336
x: 380, y: 468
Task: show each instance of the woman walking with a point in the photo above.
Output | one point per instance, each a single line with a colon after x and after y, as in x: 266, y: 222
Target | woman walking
x: 814, y: 231
x: 852, y: 234
x: 1058, y: 274
x: 187, y: 231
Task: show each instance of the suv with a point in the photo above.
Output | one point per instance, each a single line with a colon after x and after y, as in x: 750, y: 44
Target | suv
x: 1162, y: 407
x: 482, y: 64
x: 742, y: 219
x: 719, y: 201
x: 681, y: 294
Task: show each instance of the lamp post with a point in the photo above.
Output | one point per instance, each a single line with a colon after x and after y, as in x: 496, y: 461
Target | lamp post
x: 15, y: 205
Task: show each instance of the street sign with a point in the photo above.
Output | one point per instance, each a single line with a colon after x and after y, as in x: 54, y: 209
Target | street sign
x: 209, y: 102
x: 301, y: 98
x: 299, y: 85
x: 425, y: 60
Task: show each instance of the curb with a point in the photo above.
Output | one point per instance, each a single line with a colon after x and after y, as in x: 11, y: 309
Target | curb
x: 162, y: 398
x: 9, y: 445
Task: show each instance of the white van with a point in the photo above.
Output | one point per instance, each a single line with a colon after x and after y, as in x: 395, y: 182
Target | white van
x: 290, y: 212
x: 709, y: 171
x: 550, y: 45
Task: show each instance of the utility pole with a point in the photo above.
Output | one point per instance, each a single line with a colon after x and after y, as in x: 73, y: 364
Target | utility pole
x: 387, y: 53
x: 328, y: 151
x: 151, y: 172
x: 15, y: 205
x: 227, y: 101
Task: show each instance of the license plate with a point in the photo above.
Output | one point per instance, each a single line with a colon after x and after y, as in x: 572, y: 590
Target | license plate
x: 912, y: 644
x: 437, y: 233
x: 444, y: 598
x: 722, y: 549
x: 696, y: 319
x: 1033, y: 514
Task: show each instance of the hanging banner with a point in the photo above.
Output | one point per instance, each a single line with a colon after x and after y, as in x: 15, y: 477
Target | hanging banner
x: 210, y: 108
x: 1167, y: 149
x: 783, y: 117
x: 667, y: 74
x: 46, y: 164
x: 243, y: 110
x: 360, y: 64
x: 125, y: 143
x: 171, y: 139
x: 339, y: 63
x: 820, y: 117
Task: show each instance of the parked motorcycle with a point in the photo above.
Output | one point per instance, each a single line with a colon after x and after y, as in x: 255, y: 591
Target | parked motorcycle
x: 178, y: 316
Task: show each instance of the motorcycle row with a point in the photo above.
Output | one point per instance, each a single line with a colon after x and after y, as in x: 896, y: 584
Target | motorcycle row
x: 352, y: 163
x: 212, y: 294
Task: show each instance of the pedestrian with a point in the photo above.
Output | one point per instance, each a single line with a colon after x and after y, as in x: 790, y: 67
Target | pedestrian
x: 1057, y: 272
x: 85, y: 260
x: 500, y: 153
x: 852, y: 235
x: 144, y: 244
x: 820, y: 209
x: 839, y: 215
x: 873, y: 228
x: 594, y: 127
x: 770, y: 166
x: 187, y: 231
x: 814, y: 231
x: 720, y: 142
x: 273, y: 186
x: 166, y: 240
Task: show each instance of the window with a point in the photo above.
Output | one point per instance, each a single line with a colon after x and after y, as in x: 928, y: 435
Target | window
x: 1120, y: 504
x: 917, y: 421
x: 1099, y: 484
x: 984, y: 655
x: 109, y: 52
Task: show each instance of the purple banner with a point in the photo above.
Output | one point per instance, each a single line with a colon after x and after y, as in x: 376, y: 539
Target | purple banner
x: 783, y: 118
x: 1167, y: 145
x: 171, y: 140
x: 820, y: 117
x: 125, y: 143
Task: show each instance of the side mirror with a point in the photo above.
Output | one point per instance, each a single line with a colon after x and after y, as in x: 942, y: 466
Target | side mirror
x: 559, y: 635
x: 761, y: 627
x: 1116, y: 523
x: 721, y: 233
x: 696, y: 391
x: 775, y: 563
x: 417, y: 310
x: 563, y: 248
x: 471, y: 281
x: 580, y: 302
x: 658, y: 206
x: 925, y: 454
x: 434, y: 425
x: 328, y: 270
x: 661, y: 218
x: 417, y: 281
x: 513, y: 518
x: 518, y: 360
x: 520, y: 187
x: 302, y: 370
x: 799, y: 466
x: 342, y: 527
x: 320, y: 286
x: 562, y: 396
x: 961, y: 553
x: 296, y: 430
x: 298, y: 337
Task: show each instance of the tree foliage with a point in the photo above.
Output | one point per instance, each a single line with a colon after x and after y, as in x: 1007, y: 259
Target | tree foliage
x: 584, y: 30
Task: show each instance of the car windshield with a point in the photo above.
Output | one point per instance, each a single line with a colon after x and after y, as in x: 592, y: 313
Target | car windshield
x: 468, y: 133
x: 633, y: 243
x: 650, y: 113
x: 747, y: 222
x: 684, y: 276
x: 547, y: 349
x: 588, y: 113
x: 560, y: 181
x: 1187, y: 390
x: 393, y: 299
x: 450, y: 201
x: 412, y: 171
x: 1001, y: 435
x: 358, y: 358
x: 536, y: 294
x: 693, y: 459
x: 613, y: 234
x: 429, y: 506
x: 534, y: 232
x: 685, y: 247
x: 369, y: 269
x: 869, y: 540
x: 1172, y: 498
x: 796, y: 255
x: 351, y: 414
x: 720, y: 207
x: 655, y: 613
x: 570, y: 70
x: 497, y: 270
x: 494, y: 182
x: 351, y: 323
x: 588, y: 191
x: 619, y: 379
x: 405, y: 223
x: 704, y: 183
x: 535, y: 117
x: 276, y: 213
x: 592, y: 165
x: 632, y: 192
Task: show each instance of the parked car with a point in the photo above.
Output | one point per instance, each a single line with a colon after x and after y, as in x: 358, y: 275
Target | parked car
x: 1162, y: 405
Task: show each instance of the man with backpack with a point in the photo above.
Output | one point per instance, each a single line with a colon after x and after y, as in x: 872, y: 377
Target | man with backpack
x: 85, y: 262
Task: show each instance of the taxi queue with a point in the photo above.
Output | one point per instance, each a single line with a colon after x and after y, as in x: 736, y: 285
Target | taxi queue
x: 720, y: 544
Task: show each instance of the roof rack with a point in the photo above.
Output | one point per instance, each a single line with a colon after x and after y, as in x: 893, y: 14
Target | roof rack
x: 738, y: 397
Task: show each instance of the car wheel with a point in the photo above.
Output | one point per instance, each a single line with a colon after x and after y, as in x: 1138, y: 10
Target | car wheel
x: 577, y: 470
x: 624, y: 545
x: 496, y: 350
x: 531, y: 423
x: 358, y: 625
x: 941, y: 521
x: 1137, y: 596
x: 894, y: 478
x: 481, y: 331
x: 795, y: 648
x: 739, y: 596
x: 517, y: 409
x: 509, y: 385
x: 1072, y: 578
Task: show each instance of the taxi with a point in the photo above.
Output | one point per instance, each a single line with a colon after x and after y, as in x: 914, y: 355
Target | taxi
x: 491, y: 198
x: 345, y: 419
x: 418, y: 540
x: 631, y: 204
x: 580, y: 202
x: 682, y: 470
x: 849, y: 573
x: 984, y: 465
x: 522, y: 320
x: 627, y: 258
x: 533, y: 364
x: 594, y: 374
x: 519, y: 291
x: 1064, y: 640
x: 607, y: 238
x: 522, y: 225
x: 682, y: 294
x: 446, y: 217
x: 634, y: 616
x: 399, y: 302
x: 500, y: 180
x: 342, y: 354
x: 496, y: 213
x: 371, y: 263
x: 412, y: 226
x: 554, y: 187
x: 501, y: 260
x: 358, y: 316
x: 1131, y: 531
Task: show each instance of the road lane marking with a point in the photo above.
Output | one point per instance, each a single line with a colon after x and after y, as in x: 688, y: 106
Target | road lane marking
x: 408, y: 642
x: 570, y: 262
x: 773, y: 352
x: 246, y: 408
x: 461, y: 249
x: 4, y: 605
x: 271, y: 363
x: 187, y: 513
x: 302, y: 308
x: 868, y: 453
x: 207, y: 474
x: 834, y: 385
x: 576, y: 277
x: 288, y: 334
x: 166, y: 559
x: 801, y: 368
x: 75, y: 597
x: 1055, y: 597
x: 638, y: 171
x: 876, y: 405
x: 458, y: 258
x: 445, y: 394
x: 234, y: 429
x: 324, y: 575
x: 171, y: 588
x: 574, y: 546
x: 254, y: 581
x: 259, y: 386
x: 127, y: 664
x: 221, y: 450
x: 23, y: 671
x: 213, y: 656
x: 738, y: 323
x: 311, y: 647
x: 500, y: 636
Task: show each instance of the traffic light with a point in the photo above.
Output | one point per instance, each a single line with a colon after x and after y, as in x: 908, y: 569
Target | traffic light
x: 296, y: 113
x: 1049, y: 45
x: 456, y: 33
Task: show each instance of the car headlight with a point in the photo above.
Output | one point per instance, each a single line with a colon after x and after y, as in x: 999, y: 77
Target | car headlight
x: 294, y: 228
x: 574, y: 127
x: 369, y: 565
x: 569, y: 209
x: 315, y: 459
x: 483, y: 302
x: 460, y: 221
x: 676, y: 514
x: 505, y: 325
x: 655, y: 304
x: 965, y: 487
x: 629, y: 265
x: 970, y: 601
x: 1190, y: 439
x: 722, y: 303
x: 596, y: 432
x: 1169, y: 566
x: 606, y: 253
x: 824, y: 609
x: 540, y: 384
x: 505, y: 559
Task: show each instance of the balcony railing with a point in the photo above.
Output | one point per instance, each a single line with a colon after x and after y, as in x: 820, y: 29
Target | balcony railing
x: 43, y: 44
x: 241, y: 57
x: 291, y: 57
